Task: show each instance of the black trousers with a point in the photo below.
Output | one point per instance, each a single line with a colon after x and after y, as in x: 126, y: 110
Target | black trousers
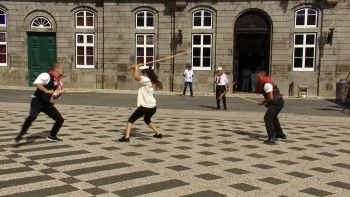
x: 36, y: 107
x: 272, y: 123
x: 143, y: 111
x: 219, y: 90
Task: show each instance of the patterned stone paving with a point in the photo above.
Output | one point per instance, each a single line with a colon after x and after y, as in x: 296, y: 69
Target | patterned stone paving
x: 201, y: 154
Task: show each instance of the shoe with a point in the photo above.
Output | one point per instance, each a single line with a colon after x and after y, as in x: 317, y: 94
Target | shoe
x: 192, y: 95
x: 183, y: 95
x: 158, y: 136
x: 225, y: 108
x: 218, y: 108
x: 18, y: 138
x: 270, y: 140
x: 282, y: 136
x: 53, y: 139
x: 123, y: 139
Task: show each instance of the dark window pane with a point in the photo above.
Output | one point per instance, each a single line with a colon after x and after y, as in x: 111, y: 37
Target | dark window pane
x: 196, y: 62
x: 80, y: 51
x: 196, y: 39
x: 299, y: 39
x: 310, y: 52
x: 197, y: 21
x: 140, y: 51
x: 196, y: 52
x: 80, y: 39
x: 80, y: 14
x: 140, y: 22
x: 2, y: 12
x: 149, y: 51
x: 206, y: 62
x: 2, y: 19
x: 300, y: 20
x: 309, y: 62
x: 207, y: 13
x: 89, y: 14
x: 2, y: 37
x: 2, y: 58
x: 141, y: 14
x: 310, y: 39
x: 198, y: 13
x: 150, y: 22
x: 207, y: 21
x: 206, y: 52
x: 298, y: 52
x: 90, y: 60
x: 89, y: 21
x: 140, y: 60
x: 2, y: 48
x: 149, y: 14
x: 140, y: 40
x: 149, y: 59
x: 80, y: 21
x: 311, y: 20
x: 301, y: 12
x: 149, y: 40
x: 312, y: 12
x: 90, y: 50
x: 298, y: 62
x: 207, y: 39
x: 80, y: 60
x: 90, y: 39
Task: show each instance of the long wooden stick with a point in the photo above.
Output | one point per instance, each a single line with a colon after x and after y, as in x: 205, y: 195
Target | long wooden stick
x: 245, y: 98
x: 141, y: 64
x: 226, y: 90
x: 78, y: 91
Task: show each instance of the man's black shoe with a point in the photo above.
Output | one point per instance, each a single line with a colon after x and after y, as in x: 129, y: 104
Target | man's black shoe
x: 270, y: 140
x: 225, y: 108
x: 53, y: 139
x: 218, y: 108
x: 282, y: 136
x: 158, y: 136
x: 18, y: 138
x: 123, y: 139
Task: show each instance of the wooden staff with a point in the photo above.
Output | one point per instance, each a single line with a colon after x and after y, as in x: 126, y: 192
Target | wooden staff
x: 141, y: 64
x: 226, y: 90
x: 245, y: 98
x: 77, y: 91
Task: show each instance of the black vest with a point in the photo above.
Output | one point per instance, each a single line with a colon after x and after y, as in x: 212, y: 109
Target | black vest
x: 275, y: 92
x: 41, y: 95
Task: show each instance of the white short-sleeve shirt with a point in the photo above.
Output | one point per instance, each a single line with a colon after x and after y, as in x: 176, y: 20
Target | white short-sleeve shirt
x: 223, y: 79
x: 188, y: 75
x: 268, y: 87
x: 145, y: 96
x: 44, y: 79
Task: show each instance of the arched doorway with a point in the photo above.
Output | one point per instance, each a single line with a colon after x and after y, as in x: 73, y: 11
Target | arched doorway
x: 251, y: 46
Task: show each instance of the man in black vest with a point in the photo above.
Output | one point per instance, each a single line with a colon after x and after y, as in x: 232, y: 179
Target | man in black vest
x: 274, y: 102
x: 47, y: 84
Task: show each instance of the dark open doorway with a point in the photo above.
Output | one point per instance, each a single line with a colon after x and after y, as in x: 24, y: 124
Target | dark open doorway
x: 252, y: 48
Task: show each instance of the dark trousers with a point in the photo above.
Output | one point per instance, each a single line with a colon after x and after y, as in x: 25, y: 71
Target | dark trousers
x: 143, y: 111
x: 36, y: 107
x: 219, y: 90
x: 185, y: 88
x: 272, y: 123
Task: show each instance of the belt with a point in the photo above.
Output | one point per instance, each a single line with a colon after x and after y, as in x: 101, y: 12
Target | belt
x: 220, y: 85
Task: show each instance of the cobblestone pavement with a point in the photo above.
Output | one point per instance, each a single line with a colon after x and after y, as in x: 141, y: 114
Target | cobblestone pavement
x: 203, y: 153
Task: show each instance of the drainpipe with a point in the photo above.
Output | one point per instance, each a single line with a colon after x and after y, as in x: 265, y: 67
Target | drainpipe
x: 103, y: 43
x: 173, y: 51
x: 319, y: 58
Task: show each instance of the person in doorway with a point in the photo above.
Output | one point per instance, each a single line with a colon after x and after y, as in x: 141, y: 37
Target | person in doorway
x: 221, y: 86
x: 274, y: 102
x: 246, y: 79
x: 48, y: 86
x: 146, y: 102
x: 188, y: 74
x: 253, y: 77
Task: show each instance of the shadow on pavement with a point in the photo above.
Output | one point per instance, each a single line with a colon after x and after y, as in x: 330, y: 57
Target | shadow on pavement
x: 206, y: 106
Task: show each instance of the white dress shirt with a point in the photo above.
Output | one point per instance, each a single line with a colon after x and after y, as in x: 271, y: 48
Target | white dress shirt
x: 145, y: 93
x: 188, y: 75
x: 223, y: 79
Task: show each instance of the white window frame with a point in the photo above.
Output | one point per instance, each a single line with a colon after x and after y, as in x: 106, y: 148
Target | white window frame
x: 84, y: 27
x: 4, y: 43
x: 202, y: 20
x: 3, y: 25
x: 304, y: 46
x: 305, y: 19
x: 201, y: 46
x: 85, y: 44
x: 42, y: 18
x: 145, y: 20
x: 144, y: 46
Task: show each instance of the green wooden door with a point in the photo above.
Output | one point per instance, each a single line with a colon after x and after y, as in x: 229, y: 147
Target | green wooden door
x: 41, y: 53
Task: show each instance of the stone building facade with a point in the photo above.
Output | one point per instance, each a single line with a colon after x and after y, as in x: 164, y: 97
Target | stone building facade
x: 98, y: 40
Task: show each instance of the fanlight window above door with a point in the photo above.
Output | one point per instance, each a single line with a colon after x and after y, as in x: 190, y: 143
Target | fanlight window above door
x: 40, y: 22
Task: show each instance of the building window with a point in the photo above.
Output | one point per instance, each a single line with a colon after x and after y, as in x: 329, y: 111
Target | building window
x: 3, y: 49
x: 201, y: 51
x: 85, y: 51
x: 2, y: 18
x: 306, y: 18
x: 84, y: 19
x: 145, y: 20
x: 304, y: 52
x: 41, y: 22
x: 202, y: 19
x: 145, y: 49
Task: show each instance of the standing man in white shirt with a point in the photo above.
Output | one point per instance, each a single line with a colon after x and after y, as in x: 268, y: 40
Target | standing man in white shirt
x: 188, y: 74
x: 221, y: 86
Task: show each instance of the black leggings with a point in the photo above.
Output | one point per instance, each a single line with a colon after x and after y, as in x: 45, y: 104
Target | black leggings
x: 36, y: 107
x: 143, y: 111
